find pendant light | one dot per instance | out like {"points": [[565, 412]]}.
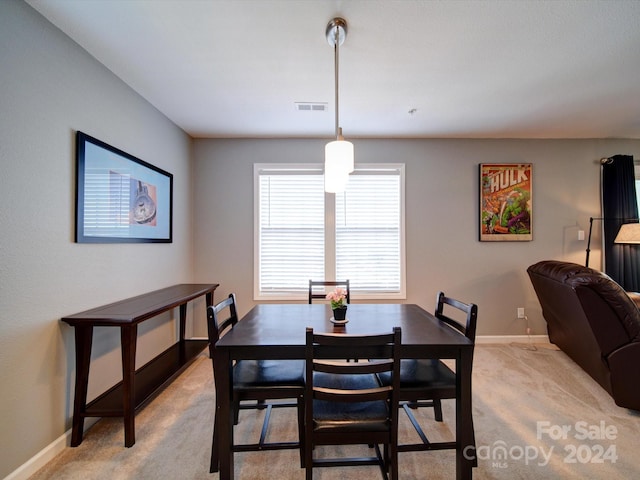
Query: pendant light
{"points": [[338, 155]]}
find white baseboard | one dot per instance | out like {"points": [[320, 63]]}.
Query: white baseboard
{"points": [[48, 453]]}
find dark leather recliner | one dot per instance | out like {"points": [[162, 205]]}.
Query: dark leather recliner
{"points": [[595, 322]]}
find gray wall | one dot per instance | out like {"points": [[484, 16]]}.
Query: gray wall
{"points": [[442, 193], [49, 89]]}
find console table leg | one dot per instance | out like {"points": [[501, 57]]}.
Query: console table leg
{"points": [[128, 339], [183, 321], [209, 299], [84, 337]]}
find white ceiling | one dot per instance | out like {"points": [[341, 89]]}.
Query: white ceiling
{"points": [[475, 69]]}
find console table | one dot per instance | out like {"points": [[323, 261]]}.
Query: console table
{"points": [[136, 387]]}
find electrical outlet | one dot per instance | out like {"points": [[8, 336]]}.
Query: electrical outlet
{"points": [[520, 312]]}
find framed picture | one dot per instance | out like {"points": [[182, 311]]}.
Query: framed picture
{"points": [[505, 202], [120, 198]]}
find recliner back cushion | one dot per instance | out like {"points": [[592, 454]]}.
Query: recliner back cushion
{"points": [[602, 301]]}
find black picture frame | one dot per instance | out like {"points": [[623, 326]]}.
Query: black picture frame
{"points": [[120, 198]]}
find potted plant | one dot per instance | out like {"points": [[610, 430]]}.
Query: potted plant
{"points": [[338, 299]]}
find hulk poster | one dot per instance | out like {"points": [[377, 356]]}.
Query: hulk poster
{"points": [[505, 202]]}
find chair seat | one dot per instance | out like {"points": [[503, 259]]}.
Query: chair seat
{"points": [[345, 417], [268, 373], [430, 373]]}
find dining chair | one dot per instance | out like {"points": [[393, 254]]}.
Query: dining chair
{"points": [[255, 380], [344, 402], [318, 291], [425, 382]]}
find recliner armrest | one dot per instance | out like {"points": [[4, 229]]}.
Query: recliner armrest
{"points": [[635, 296]]}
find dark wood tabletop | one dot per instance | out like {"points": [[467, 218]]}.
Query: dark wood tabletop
{"points": [[141, 307]]}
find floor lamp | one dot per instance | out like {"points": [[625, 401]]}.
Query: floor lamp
{"points": [[591, 219]]}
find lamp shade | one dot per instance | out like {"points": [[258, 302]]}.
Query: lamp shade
{"points": [[628, 233], [340, 154], [335, 175]]}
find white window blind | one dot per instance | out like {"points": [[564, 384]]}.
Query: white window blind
{"points": [[368, 232], [291, 230], [295, 239]]}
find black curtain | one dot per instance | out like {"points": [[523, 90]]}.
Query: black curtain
{"points": [[619, 205]]}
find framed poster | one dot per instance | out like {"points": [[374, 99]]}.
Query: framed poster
{"points": [[120, 198], [505, 202]]}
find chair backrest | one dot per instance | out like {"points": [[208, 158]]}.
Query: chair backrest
{"points": [[326, 353], [220, 318], [470, 310], [318, 291]]}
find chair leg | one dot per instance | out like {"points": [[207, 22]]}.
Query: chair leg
{"points": [[387, 462], [473, 440], [215, 456], [394, 462], [308, 472], [437, 409], [383, 459], [236, 411], [301, 439], [308, 455]]}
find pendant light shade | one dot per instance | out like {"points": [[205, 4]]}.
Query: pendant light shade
{"points": [[338, 155], [335, 177]]}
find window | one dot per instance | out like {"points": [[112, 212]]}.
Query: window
{"points": [[302, 233]]}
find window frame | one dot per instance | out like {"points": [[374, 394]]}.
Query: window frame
{"points": [[330, 231]]}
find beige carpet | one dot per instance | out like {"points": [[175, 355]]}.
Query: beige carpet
{"points": [[522, 399]]}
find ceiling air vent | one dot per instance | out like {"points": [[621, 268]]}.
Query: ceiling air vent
{"points": [[312, 106]]}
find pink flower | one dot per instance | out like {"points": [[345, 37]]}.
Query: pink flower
{"points": [[337, 297]]}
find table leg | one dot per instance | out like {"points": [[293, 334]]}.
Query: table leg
{"points": [[464, 416], [183, 321], [128, 339], [222, 367], [84, 337]]}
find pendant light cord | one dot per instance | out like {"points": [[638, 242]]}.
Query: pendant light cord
{"points": [[336, 56]]}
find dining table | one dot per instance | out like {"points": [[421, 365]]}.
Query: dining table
{"points": [[277, 331]]}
